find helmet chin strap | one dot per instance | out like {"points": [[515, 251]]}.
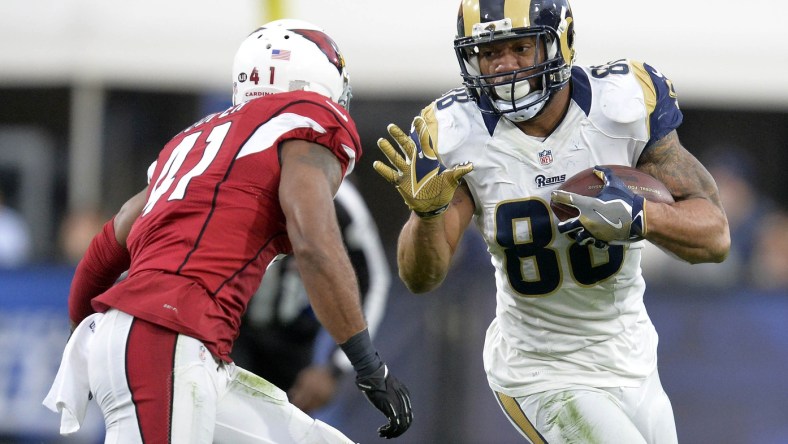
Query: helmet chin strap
{"points": [[523, 114], [521, 89], [509, 99]]}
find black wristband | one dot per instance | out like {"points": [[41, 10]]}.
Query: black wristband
{"points": [[361, 353], [433, 213]]}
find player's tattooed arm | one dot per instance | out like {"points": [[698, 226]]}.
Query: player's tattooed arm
{"points": [[686, 178], [695, 227]]}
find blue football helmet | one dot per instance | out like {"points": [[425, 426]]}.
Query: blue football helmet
{"points": [[550, 22]]}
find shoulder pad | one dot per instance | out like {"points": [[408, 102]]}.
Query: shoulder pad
{"points": [[632, 99]]}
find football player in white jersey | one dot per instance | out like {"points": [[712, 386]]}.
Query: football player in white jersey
{"points": [[571, 355]]}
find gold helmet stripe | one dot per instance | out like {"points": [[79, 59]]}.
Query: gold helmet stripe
{"points": [[470, 15], [567, 52], [519, 12], [492, 10]]}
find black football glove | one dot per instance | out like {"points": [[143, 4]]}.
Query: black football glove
{"points": [[616, 215], [389, 396]]}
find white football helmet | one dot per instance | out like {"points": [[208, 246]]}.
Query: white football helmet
{"points": [[289, 55]]}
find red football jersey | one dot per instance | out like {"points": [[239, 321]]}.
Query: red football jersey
{"points": [[212, 221]]}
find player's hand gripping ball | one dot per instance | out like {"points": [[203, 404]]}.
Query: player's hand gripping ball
{"points": [[606, 204]]}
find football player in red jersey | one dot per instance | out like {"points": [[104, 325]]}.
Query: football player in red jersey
{"points": [[225, 197]]}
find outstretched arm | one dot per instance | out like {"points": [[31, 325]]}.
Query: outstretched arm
{"points": [[426, 246], [104, 261], [442, 207], [310, 177], [695, 227], [316, 384], [127, 214]]}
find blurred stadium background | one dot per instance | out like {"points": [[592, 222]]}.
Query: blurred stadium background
{"points": [[90, 90]]}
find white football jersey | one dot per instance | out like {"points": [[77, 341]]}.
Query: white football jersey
{"points": [[566, 314]]}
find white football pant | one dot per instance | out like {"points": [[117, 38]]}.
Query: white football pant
{"points": [[631, 415], [157, 386]]}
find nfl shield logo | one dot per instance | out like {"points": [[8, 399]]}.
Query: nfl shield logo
{"points": [[546, 157]]}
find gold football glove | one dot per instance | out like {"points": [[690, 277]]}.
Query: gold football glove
{"points": [[424, 183]]}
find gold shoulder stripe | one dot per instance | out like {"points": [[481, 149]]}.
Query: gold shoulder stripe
{"points": [[649, 92]]}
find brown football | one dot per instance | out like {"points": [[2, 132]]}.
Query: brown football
{"points": [[588, 184]]}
